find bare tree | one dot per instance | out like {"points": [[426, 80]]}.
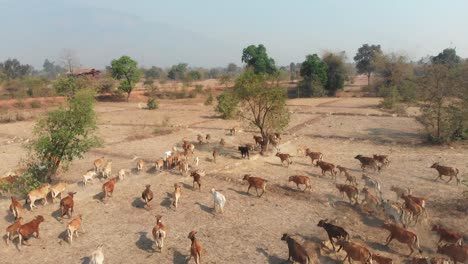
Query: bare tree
{"points": [[69, 60]]}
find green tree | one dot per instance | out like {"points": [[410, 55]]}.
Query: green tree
{"points": [[154, 73], [394, 69], [13, 69], [257, 58], [448, 57], [227, 104], [194, 75], [126, 70], [66, 134], [261, 106], [313, 68], [365, 59], [232, 69], [314, 72], [336, 72], [178, 71]]}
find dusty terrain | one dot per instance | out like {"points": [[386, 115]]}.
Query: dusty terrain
{"points": [[250, 229]]}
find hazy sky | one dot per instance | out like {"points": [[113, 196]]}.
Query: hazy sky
{"points": [[213, 33]]}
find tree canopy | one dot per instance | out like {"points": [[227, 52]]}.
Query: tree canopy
{"points": [[256, 57], [336, 71], [66, 133], [178, 71], [262, 106], [13, 69], [314, 69], [365, 59], [448, 57], [126, 70], [154, 73]]}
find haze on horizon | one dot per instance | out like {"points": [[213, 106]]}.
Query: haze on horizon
{"points": [[213, 33]]}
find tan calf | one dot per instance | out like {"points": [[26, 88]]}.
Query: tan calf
{"points": [[74, 226], [140, 165], [108, 188], [355, 251], [99, 164], [300, 179], [57, 189], [16, 208], [351, 191], [159, 233], [176, 194], [38, 194], [13, 229]]}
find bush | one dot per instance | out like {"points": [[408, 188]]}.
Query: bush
{"points": [[446, 124], [209, 100], [227, 104], [36, 104], [152, 103], [192, 94], [19, 104], [199, 89], [30, 180], [106, 85], [391, 97]]}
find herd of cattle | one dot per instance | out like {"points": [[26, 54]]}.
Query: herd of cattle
{"points": [[398, 216]]}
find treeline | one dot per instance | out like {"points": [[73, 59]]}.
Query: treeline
{"points": [[437, 84]]}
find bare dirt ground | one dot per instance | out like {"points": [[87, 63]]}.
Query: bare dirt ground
{"points": [[250, 229]]}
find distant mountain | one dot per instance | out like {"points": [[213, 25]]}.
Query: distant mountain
{"points": [[98, 35]]}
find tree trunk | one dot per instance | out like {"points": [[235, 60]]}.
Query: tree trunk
{"points": [[128, 96], [368, 78], [439, 110]]}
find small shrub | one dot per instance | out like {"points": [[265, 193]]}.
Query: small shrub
{"points": [[391, 96], [152, 103], [36, 104], [209, 100], [20, 104], [184, 92], [199, 89], [192, 94], [166, 121], [227, 104]]}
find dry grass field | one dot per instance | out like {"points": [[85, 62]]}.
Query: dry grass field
{"points": [[250, 229]]}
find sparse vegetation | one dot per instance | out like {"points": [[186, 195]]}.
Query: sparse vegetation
{"points": [[152, 104], [36, 104]]}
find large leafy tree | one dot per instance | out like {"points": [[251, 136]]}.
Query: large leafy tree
{"points": [[336, 71], [313, 68], [178, 71], [256, 57], [126, 70], [314, 73], [365, 59], [66, 133], [154, 73], [13, 69], [448, 57], [262, 106]]}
